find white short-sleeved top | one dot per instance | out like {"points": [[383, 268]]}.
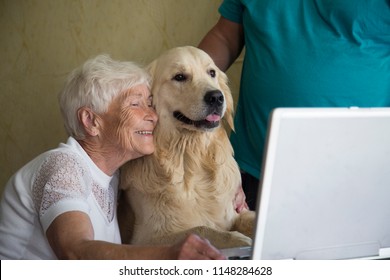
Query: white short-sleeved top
{"points": [[58, 181]]}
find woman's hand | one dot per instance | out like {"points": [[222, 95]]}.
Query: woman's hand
{"points": [[194, 247]]}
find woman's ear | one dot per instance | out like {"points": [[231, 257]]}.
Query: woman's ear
{"points": [[89, 121]]}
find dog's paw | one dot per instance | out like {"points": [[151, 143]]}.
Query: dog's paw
{"points": [[234, 239], [222, 239], [218, 238], [245, 223]]}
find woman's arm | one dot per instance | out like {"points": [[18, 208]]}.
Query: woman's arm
{"points": [[71, 237]]}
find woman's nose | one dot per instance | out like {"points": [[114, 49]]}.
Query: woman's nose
{"points": [[151, 115]]}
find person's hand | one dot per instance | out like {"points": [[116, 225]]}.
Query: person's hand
{"points": [[239, 202], [194, 247]]}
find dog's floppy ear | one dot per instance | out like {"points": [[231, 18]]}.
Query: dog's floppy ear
{"points": [[224, 84], [151, 68]]}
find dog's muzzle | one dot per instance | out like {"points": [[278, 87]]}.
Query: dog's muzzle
{"points": [[214, 101]]}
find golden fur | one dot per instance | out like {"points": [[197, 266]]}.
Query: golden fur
{"points": [[190, 181]]}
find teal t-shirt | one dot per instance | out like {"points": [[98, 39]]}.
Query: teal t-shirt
{"points": [[307, 53]]}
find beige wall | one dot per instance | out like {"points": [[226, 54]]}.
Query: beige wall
{"points": [[42, 40]]}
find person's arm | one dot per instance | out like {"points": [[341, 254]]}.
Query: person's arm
{"points": [[224, 42], [71, 237]]}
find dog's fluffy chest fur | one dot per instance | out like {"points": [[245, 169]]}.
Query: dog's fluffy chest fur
{"points": [[194, 175]]}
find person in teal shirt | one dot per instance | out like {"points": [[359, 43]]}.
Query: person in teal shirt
{"points": [[299, 53]]}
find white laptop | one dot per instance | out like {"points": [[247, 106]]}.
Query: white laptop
{"points": [[325, 186]]}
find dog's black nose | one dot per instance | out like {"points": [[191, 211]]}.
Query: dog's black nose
{"points": [[214, 97]]}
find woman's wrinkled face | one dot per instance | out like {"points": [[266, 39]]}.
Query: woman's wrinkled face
{"points": [[129, 123]]}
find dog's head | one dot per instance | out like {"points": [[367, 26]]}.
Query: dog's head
{"points": [[189, 91]]}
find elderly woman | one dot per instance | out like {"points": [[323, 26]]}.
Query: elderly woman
{"points": [[62, 204]]}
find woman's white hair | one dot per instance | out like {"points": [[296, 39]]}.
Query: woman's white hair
{"points": [[94, 85]]}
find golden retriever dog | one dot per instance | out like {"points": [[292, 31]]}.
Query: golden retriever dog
{"points": [[189, 183]]}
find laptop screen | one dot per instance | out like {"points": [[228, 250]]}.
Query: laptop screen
{"points": [[325, 187]]}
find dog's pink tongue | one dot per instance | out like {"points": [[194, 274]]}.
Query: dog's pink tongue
{"points": [[213, 118]]}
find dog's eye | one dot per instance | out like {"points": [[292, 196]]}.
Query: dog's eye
{"points": [[212, 73], [180, 77]]}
